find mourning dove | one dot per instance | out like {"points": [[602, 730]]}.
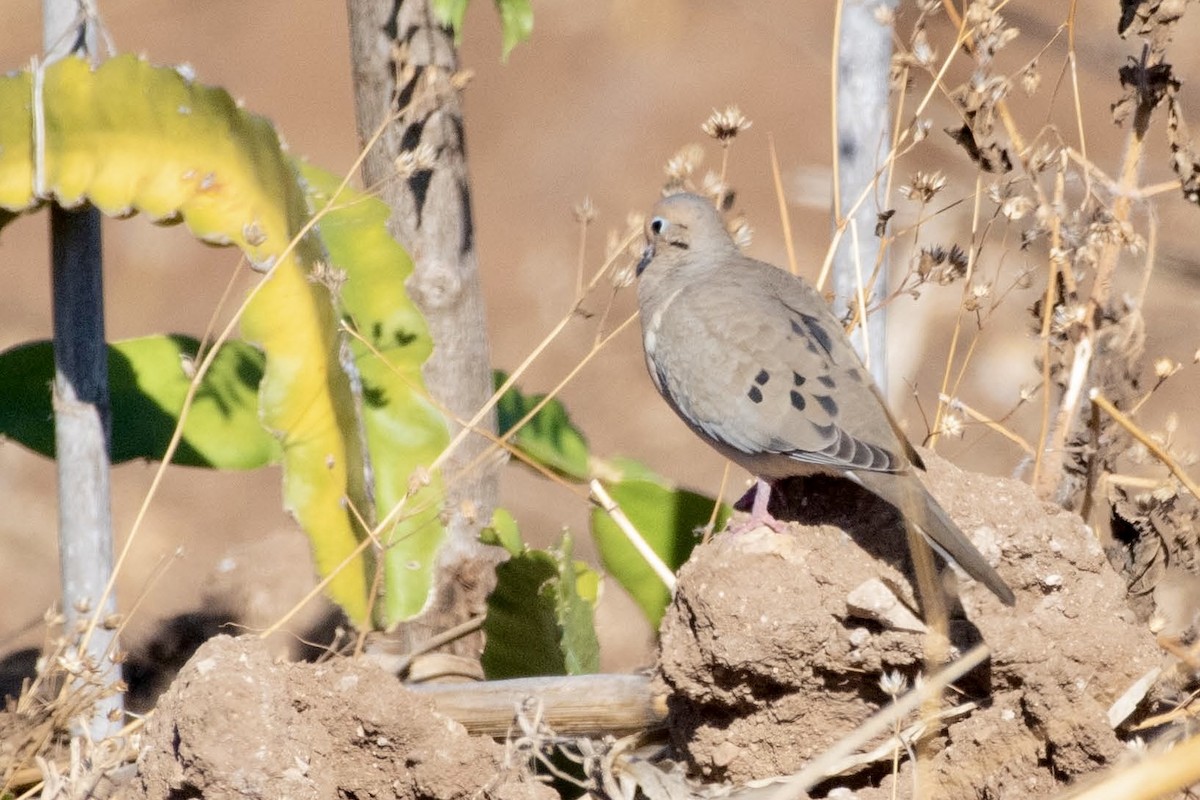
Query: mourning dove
{"points": [[752, 359]]}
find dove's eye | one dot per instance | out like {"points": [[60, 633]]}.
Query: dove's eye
{"points": [[657, 225]]}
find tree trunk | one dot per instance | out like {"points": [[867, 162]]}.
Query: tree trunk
{"points": [[864, 138], [404, 64], [82, 418]]}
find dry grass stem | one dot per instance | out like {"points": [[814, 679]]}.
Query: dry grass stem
{"points": [[1148, 441], [785, 219], [824, 765], [1158, 775], [955, 404], [605, 501]]}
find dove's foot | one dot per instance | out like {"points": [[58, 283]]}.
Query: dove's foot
{"points": [[759, 517]]}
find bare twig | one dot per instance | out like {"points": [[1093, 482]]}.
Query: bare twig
{"points": [[821, 767], [604, 499], [1101, 402]]}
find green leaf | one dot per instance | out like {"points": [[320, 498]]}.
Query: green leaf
{"points": [[403, 430], [128, 137], [540, 617], [451, 13], [503, 533], [516, 20], [549, 438], [148, 379], [667, 519], [621, 468], [516, 23]]}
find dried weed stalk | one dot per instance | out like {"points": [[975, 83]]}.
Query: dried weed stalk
{"points": [[42, 749], [1044, 211], [1046, 204]]}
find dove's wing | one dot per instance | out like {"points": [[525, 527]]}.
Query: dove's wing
{"points": [[780, 383]]}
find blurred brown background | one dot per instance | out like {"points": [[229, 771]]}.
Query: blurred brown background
{"points": [[593, 105]]}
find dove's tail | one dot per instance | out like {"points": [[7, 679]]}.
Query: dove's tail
{"points": [[946, 537], [919, 506]]}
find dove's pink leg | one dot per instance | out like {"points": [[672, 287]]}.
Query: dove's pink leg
{"points": [[759, 515]]}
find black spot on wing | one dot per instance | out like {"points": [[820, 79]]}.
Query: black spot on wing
{"points": [[762, 377], [827, 431], [797, 400], [826, 381], [827, 403], [797, 379], [817, 332], [755, 394]]}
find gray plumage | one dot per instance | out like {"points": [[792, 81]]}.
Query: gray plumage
{"points": [[751, 358]]}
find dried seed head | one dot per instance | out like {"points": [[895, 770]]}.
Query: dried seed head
{"points": [[923, 54], [1045, 156], [585, 211], [893, 683], [725, 125], [685, 162], [929, 258], [419, 479], [1168, 491], [254, 233], [712, 186], [1030, 78], [1015, 208], [936, 263], [923, 187], [419, 159], [1069, 318], [974, 299], [952, 426], [328, 276], [1165, 367], [957, 263]]}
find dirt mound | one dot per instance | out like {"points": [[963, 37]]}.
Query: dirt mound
{"points": [[237, 724], [773, 649], [770, 653]]}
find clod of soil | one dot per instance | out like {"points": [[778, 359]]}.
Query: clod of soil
{"points": [[237, 724], [767, 665]]}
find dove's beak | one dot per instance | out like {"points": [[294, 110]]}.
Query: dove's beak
{"points": [[647, 254]]}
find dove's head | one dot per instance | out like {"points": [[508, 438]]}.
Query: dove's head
{"points": [[684, 230]]}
